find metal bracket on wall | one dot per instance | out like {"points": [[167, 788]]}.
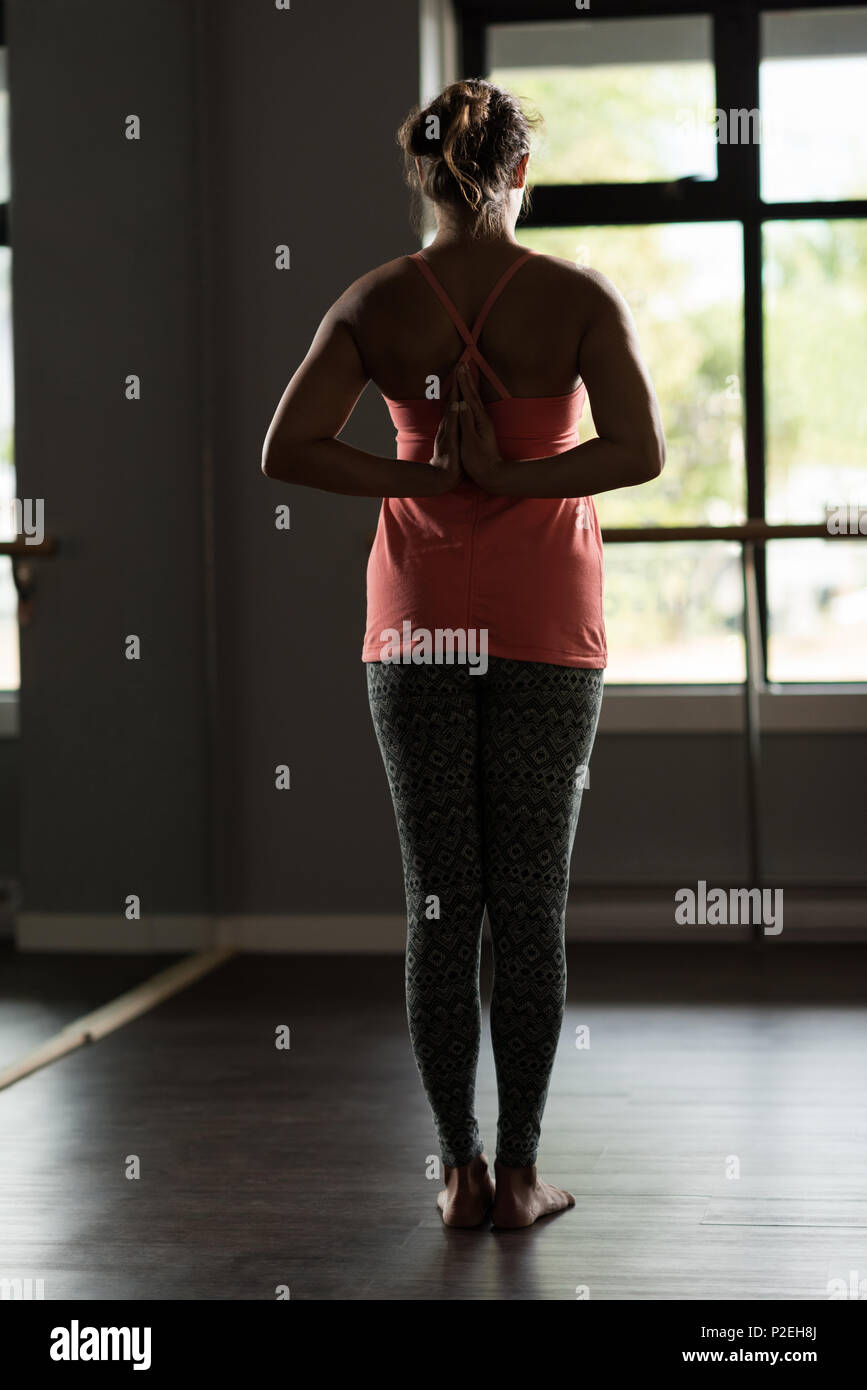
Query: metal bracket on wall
{"points": [[21, 552]]}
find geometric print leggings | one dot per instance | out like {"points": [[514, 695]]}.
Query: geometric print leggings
{"points": [[486, 773]]}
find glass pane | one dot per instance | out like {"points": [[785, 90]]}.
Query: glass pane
{"points": [[624, 100], [684, 285], [817, 610], [815, 306], [674, 613], [812, 80]]}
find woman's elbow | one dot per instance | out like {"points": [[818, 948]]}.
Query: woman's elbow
{"points": [[652, 460], [276, 462]]}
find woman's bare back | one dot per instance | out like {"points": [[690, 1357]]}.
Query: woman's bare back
{"points": [[530, 338]]}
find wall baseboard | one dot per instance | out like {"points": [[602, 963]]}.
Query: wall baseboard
{"points": [[810, 919], [159, 934]]}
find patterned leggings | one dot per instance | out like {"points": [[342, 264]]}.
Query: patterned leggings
{"points": [[486, 774]]}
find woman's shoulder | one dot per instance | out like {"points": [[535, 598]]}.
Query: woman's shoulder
{"points": [[572, 276], [380, 277], [565, 276], [376, 289]]}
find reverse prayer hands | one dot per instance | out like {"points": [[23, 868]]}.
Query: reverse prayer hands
{"points": [[479, 450], [446, 457]]}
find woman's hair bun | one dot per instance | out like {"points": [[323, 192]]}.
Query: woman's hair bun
{"points": [[474, 135]]}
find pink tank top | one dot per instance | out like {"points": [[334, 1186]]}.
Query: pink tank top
{"points": [[526, 571]]}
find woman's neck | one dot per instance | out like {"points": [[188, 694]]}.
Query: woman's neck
{"points": [[451, 238]]}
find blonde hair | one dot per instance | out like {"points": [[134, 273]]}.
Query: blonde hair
{"points": [[471, 139]]}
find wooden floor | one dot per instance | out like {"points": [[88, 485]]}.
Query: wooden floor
{"points": [[307, 1167]]}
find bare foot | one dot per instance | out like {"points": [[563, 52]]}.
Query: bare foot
{"points": [[521, 1197], [468, 1193]]}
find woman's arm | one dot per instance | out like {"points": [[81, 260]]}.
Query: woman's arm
{"points": [[630, 448], [301, 445]]}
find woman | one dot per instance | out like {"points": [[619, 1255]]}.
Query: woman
{"points": [[487, 534]]}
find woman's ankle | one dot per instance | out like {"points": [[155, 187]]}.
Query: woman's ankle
{"points": [[515, 1172]]}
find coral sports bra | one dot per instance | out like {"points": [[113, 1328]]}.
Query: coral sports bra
{"points": [[526, 572]]}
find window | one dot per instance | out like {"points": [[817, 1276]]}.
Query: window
{"points": [[740, 246]]}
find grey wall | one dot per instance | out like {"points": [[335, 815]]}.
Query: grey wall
{"points": [[10, 792], [666, 808], [158, 258], [113, 755], [303, 153]]}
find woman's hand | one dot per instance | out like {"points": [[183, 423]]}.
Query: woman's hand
{"points": [[446, 457], [480, 452]]}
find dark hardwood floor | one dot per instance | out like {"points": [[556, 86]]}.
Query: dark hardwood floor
{"points": [[307, 1167]]}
